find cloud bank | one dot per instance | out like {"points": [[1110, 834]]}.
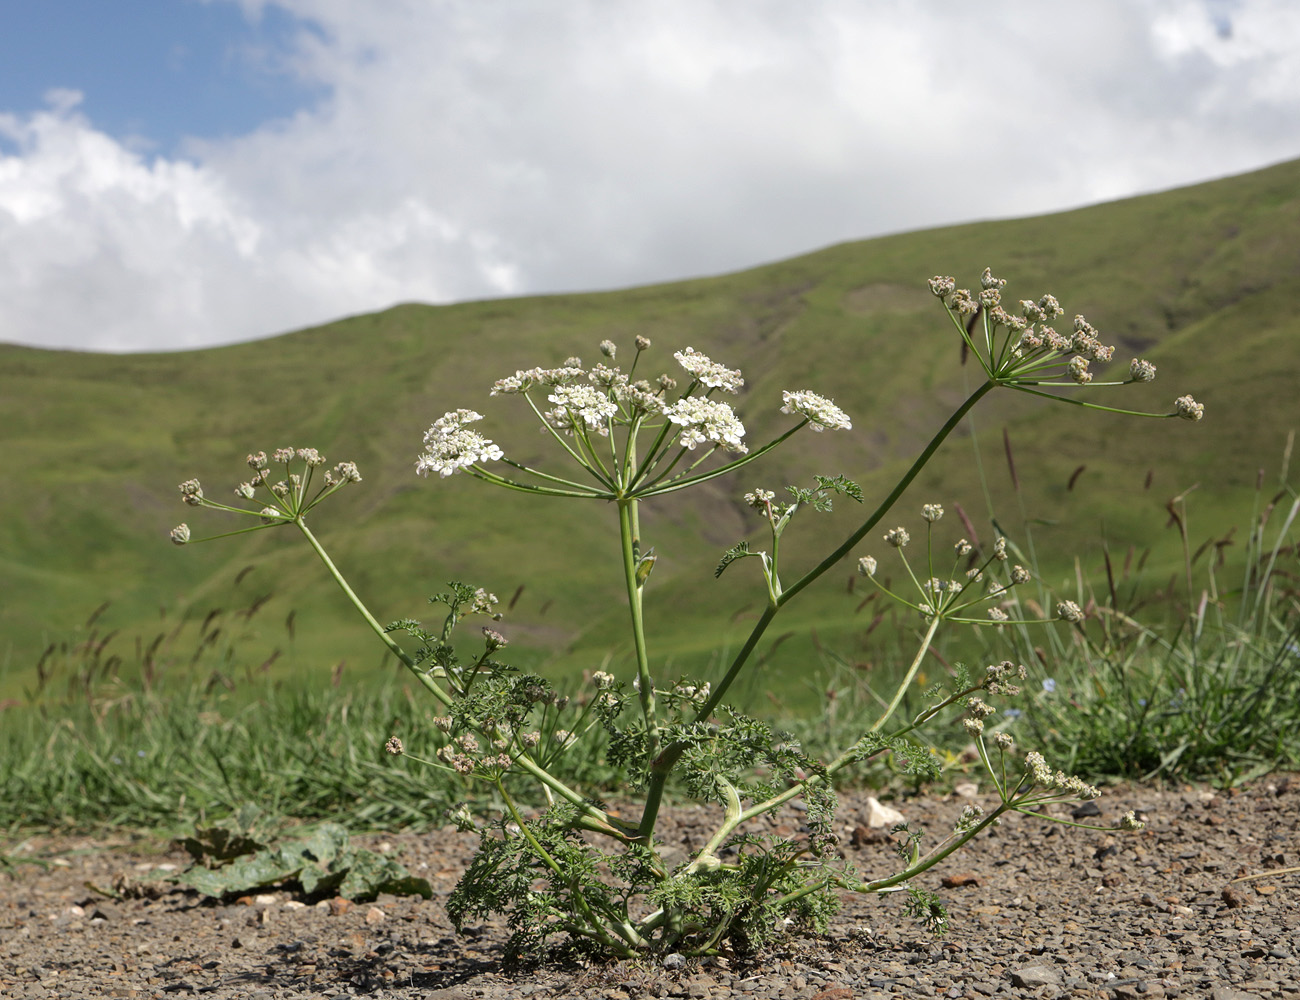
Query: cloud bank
{"points": [[467, 150]]}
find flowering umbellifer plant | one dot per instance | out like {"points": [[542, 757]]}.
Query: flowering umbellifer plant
{"points": [[626, 440]]}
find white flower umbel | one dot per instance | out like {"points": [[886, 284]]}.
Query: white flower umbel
{"points": [[449, 447], [709, 372], [819, 410], [582, 402], [703, 421]]}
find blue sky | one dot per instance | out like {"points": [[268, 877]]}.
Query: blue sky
{"points": [[157, 70], [180, 173]]}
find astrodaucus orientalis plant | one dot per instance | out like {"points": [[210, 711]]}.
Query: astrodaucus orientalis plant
{"points": [[626, 438]]}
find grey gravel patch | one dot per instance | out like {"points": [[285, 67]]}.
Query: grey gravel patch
{"points": [[1110, 915]]}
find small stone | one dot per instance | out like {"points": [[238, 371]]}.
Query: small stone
{"points": [[294, 904], [106, 911], [264, 899], [674, 961], [1033, 976], [1085, 810], [960, 880], [966, 789], [1235, 898], [863, 834], [881, 816], [339, 906], [375, 915]]}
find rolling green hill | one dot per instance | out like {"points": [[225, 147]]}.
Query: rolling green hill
{"points": [[1203, 281]]}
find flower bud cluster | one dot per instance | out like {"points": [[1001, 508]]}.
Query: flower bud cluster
{"points": [[461, 763], [1188, 408], [289, 494], [897, 537], [999, 678], [1045, 777], [1034, 350], [969, 819], [699, 695], [484, 603]]}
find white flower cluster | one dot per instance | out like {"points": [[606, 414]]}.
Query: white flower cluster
{"points": [[709, 372], [820, 411], [703, 421], [581, 402], [450, 447], [522, 381]]}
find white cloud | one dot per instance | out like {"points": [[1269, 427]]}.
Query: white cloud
{"points": [[469, 149]]}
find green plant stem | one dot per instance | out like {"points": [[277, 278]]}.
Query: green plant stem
{"points": [[844, 549], [629, 531], [681, 484], [736, 817], [595, 928], [911, 673], [591, 818], [436, 689], [662, 764], [909, 873]]}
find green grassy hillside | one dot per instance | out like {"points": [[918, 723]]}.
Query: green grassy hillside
{"points": [[1202, 281]]}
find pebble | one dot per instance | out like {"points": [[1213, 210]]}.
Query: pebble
{"points": [[879, 816], [1032, 976]]}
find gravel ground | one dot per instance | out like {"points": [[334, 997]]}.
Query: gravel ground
{"points": [[1038, 910]]}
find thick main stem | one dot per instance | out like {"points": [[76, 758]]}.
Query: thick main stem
{"points": [[844, 549], [663, 764], [629, 531]]}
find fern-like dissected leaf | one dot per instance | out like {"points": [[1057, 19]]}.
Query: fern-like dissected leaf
{"points": [[737, 551]]}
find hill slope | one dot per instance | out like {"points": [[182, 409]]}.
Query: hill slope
{"points": [[1201, 280]]}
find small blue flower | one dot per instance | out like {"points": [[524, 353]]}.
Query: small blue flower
{"points": [[1011, 713], [1049, 685]]}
